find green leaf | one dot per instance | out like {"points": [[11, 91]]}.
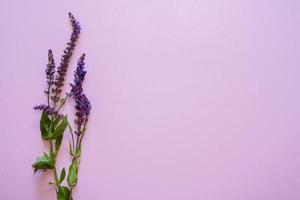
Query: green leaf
{"points": [[62, 175], [72, 175], [44, 126], [59, 130], [63, 193], [56, 121], [46, 155], [43, 163], [58, 142]]}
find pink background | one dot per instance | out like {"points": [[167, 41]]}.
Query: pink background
{"points": [[192, 99]]}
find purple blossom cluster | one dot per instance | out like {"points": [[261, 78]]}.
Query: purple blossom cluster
{"points": [[48, 110], [79, 75], [64, 63], [50, 71], [82, 104], [83, 107]]}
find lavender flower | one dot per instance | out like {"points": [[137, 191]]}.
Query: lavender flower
{"points": [[79, 75], [63, 67], [48, 110], [50, 71], [76, 28], [83, 105]]}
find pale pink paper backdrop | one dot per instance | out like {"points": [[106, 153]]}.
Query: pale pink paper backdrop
{"points": [[192, 99]]}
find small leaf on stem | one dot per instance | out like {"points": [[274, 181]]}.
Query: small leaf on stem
{"points": [[44, 126], [72, 175], [63, 193], [43, 163], [56, 121], [62, 175], [59, 130], [58, 143]]}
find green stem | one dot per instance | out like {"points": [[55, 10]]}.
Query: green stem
{"points": [[54, 169], [82, 134], [75, 148], [63, 101], [71, 191]]}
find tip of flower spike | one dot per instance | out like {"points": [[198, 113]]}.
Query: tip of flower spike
{"points": [[82, 57], [75, 25], [50, 54], [70, 15]]}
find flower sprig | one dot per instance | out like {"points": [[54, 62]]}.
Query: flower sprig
{"points": [[53, 123]]}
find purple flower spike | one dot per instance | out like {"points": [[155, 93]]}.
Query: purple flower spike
{"points": [[83, 107], [79, 75], [50, 71], [48, 110], [82, 104], [76, 27], [63, 67]]}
